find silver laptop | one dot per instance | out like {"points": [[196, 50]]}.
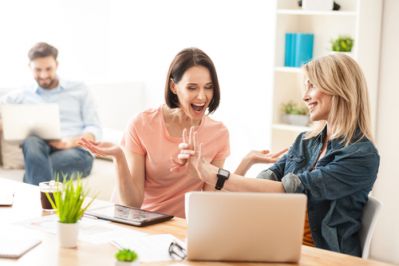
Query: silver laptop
{"points": [[235, 226], [23, 120]]}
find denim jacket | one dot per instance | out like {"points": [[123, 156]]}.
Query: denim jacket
{"points": [[337, 186]]}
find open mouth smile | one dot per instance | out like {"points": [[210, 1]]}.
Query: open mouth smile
{"points": [[198, 107]]}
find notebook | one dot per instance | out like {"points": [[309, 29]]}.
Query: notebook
{"points": [[23, 120], [6, 197], [235, 226], [15, 246]]}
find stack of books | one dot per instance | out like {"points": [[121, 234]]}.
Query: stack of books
{"points": [[298, 49]]}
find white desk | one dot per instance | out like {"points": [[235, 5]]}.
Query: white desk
{"points": [[27, 206]]}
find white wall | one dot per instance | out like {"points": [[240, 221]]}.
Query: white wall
{"points": [[385, 245], [134, 40]]}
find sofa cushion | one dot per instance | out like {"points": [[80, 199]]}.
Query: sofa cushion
{"points": [[11, 155]]}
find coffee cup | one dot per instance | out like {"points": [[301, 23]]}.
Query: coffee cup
{"points": [[49, 187]]}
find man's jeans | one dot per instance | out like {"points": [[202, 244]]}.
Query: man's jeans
{"points": [[43, 163]]}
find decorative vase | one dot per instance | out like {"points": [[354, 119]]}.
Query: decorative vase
{"points": [[67, 234], [298, 120], [345, 53], [127, 263]]}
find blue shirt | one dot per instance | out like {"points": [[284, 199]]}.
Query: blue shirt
{"points": [[337, 186], [78, 113]]}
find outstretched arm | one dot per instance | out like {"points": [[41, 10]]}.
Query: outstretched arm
{"points": [[190, 156], [129, 168], [254, 157]]}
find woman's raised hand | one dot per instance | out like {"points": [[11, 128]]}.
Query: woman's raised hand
{"points": [[101, 148], [190, 156]]}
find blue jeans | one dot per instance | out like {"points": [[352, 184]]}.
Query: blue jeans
{"points": [[43, 162]]}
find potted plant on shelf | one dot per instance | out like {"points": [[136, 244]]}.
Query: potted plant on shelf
{"points": [[126, 257], [295, 114], [342, 44], [69, 207]]}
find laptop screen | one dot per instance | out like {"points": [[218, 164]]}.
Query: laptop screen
{"points": [[23, 120]]}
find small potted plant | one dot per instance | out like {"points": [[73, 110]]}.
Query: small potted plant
{"points": [[295, 114], [126, 257], [342, 44], [69, 207]]}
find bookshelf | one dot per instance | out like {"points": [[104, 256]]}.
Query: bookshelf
{"points": [[360, 19]]}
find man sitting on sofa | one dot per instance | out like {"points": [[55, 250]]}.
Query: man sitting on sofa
{"points": [[78, 118]]}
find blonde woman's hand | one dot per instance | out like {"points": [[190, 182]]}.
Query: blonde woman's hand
{"points": [[264, 156], [254, 157]]}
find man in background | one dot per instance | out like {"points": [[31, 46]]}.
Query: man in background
{"points": [[78, 118]]}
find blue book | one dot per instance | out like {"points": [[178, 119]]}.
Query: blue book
{"points": [[303, 51], [288, 60]]}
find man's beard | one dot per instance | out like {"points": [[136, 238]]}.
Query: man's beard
{"points": [[47, 83]]}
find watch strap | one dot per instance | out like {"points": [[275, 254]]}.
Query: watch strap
{"points": [[222, 176]]}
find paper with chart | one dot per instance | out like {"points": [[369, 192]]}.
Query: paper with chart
{"points": [[94, 231], [150, 248]]}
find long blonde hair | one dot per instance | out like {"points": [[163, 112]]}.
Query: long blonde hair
{"points": [[340, 76]]}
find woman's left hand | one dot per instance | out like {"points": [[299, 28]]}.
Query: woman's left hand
{"points": [[190, 156]]}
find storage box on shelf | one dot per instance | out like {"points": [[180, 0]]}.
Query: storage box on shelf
{"points": [[360, 19]]}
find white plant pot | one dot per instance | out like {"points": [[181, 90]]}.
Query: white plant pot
{"points": [[67, 234], [298, 120], [125, 263], [345, 53]]}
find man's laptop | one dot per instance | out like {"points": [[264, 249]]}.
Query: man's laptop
{"points": [[23, 120], [235, 226]]}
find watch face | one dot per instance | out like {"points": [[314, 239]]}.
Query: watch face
{"points": [[223, 172]]}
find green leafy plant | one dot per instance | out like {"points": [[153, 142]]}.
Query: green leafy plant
{"points": [[68, 202], [342, 44], [293, 108], [126, 255]]}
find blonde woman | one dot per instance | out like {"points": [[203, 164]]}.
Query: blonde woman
{"points": [[335, 164]]}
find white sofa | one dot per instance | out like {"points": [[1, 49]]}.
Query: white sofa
{"points": [[117, 104]]}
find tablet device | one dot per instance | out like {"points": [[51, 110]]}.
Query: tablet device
{"points": [[128, 215]]}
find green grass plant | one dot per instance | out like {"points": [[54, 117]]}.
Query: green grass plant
{"points": [[126, 255], [68, 202]]}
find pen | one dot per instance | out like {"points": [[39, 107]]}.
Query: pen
{"points": [[116, 244]]}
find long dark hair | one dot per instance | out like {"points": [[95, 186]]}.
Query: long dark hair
{"points": [[184, 60]]}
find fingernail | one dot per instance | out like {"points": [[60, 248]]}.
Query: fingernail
{"points": [[183, 145]]}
